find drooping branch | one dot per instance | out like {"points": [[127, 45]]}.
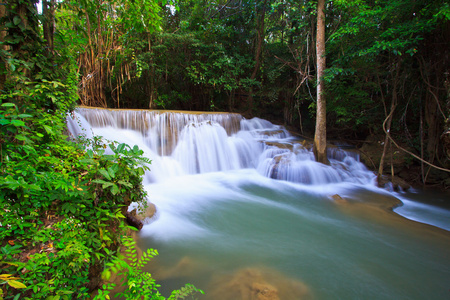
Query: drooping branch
{"points": [[406, 151]]}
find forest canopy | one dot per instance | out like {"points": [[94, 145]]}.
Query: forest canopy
{"points": [[386, 61]]}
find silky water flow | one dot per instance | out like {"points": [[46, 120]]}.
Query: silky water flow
{"points": [[244, 212]]}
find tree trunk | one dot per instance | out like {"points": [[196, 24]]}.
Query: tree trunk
{"points": [[48, 9], [258, 51], [3, 47], [320, 137], [388, 127]]}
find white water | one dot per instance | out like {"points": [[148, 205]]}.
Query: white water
{"points": [[234, 195], [181, 144]]}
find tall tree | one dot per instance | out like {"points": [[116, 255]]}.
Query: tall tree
{"points": [[48, 26], [320, 137], [260, 27]]}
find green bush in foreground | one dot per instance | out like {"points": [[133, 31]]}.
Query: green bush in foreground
{"points": [[63, 209]]}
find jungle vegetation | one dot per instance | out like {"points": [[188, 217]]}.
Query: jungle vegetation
{"points": [[386, 79], [386, 71]]}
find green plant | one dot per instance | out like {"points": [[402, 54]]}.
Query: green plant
{"points": [[138, 283]]}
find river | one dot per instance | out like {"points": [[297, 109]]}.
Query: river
{"points": [[244, 212]]}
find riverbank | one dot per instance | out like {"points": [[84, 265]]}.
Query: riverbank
{"points": [[406, 169]]}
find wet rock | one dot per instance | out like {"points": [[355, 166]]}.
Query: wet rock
{"points": [[138, 219], [184, 268], [132, 219], [257, 284], [264, 291], [148, 213], [397, 182], [338, 199]]}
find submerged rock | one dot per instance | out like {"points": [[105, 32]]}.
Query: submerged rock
{"points": [[257, 284], [338, 199]]}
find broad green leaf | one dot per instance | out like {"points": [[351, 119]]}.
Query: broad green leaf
{"points": [[90, 153], [115, 189], [87, 161], [21, 137], [24, 116], [8, 104], [48, 129], [17, 20], [111, 172], [121, 147], [127, 184], [17, 123], [105, 173], [107, 184]]}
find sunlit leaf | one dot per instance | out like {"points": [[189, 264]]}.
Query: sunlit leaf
{"points": [[17, 284]]}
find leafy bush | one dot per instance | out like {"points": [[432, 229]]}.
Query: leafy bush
{"points": [[64, 205], [138, 283]]}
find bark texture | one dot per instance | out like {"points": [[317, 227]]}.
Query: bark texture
{"points": [[320, 137]]}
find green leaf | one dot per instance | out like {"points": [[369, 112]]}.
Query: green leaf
{"points": [[105, 173], [127, 184], [21, 137], [24, 116], [107, 184], [87, 161], [17, 20], [4, 122], [8, 104], [17, 123], [48, 129], [121, 147], [111, 172], [115, 189]]}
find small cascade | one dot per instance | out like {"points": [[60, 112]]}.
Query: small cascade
{"points": [[160, 129], [181, 143]]}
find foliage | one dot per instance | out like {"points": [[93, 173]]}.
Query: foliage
{"points": [[138, 283], [63, 199], [86, 193]]}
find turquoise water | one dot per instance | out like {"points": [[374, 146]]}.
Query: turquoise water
{"points": [[244, 212], [211, 228]]}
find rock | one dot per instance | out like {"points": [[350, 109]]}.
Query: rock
{"points": [[148, 213], [264, 291], [397, 182], [132, 219], [257, 284], [338, 199]]}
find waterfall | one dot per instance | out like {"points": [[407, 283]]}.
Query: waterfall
{"points": [[180, 143], [238, 200]]}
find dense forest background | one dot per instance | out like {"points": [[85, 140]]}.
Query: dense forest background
{"points": [[258, 58], [386, 61]]}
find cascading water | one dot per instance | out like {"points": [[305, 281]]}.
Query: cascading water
{"points": [[244, 212]]}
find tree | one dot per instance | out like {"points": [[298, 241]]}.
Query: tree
{"points": [[260, 32], [320, 137]]}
